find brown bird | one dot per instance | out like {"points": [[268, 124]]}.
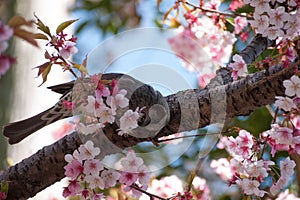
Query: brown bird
{"points": [[139, 94]]}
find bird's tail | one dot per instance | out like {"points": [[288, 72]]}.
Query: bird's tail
{"points": [[17, 131]]}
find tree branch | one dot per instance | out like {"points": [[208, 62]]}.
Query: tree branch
{"points": [[189, 110]]}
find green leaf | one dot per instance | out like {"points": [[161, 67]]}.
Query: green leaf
{"points": [[245, 9], [44, 70], [64, 25]]}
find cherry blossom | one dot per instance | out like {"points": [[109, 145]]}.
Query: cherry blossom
{"points": [[95, 181], [284, 103], [278, 16], [223, 168], [110, 177], [287, 167], [92, 166], [292, 86], [73, 169], [286, 195], [128, 178], [260, 22], [5, 32], [250, 187], [131, 162], [273, 32], [88, 151], [3, 46], [239, 67], [239, 24], [129, 121], [68, 49], [260, 6], [5, 63], [105, 114], [88, 128]]}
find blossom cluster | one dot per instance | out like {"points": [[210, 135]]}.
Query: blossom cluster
{"points": [[292, 91], [273, 19], [104, 106], [88, 176], [65, 46], [202, 44], [248, 169], [5, 61], [171, 187], [238, 67]]}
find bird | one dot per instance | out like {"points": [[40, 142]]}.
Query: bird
{"points": [[140, 95]]}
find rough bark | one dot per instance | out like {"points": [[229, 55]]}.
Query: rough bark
{"points": [[242, 97]]}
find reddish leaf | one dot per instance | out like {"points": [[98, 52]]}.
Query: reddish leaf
{"points": [[42, 26], [44, 70], [27, 36], [17, 21], [47, 55], [64, 25]]}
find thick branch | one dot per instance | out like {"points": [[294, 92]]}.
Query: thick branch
{"points": [[189, 110]]}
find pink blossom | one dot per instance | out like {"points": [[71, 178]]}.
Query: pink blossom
{"points": [[2, 196], [93, 167], [129, 121], [222, 168], [261, 6], [273, 32], [131, 162], [292, 26], [117, 100], [245, 139], [290, 54], [68, 49], [5, 63], [278, 16], [88, 151], [239, 24], [74, 187], [3, 46], [166, 187], [73, 169], [260, 22], [66, 192], [292, 86], [284, 103], [143, 175], [214, 4], [203, 79], [287, 167], [235, 4], [110, 177], [5, 32], [128, 178], [286, 195], [202, 188], [257, 168], [89, 128], [94, 181], [244, 36], [250, 187], [105, 114], [85, 193], [239, 67]]}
